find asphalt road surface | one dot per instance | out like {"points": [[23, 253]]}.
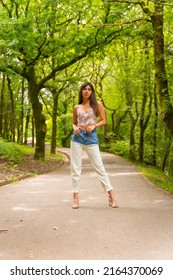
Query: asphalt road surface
{"points": [[37, 221]]}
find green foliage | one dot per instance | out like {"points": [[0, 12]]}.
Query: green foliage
{"points": [[157, 177], [65, 30], [14, 151], [120, 148]]}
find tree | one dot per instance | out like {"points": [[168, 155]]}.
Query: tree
{"points": [[145, 117], [154, 10], [28, 45], [160, 70]]}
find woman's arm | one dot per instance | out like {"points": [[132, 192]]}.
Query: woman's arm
{"points": [[102, 120], [74, 117], [102, 115], [75, 127]]}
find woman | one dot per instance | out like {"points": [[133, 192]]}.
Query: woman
{"points": [[85, 123]]}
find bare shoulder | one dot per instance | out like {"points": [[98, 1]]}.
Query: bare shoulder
{"points": [[76, 107], [100, 105]]}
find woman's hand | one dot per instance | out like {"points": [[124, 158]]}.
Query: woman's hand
{"points": [[90, 128], [77, 131]]}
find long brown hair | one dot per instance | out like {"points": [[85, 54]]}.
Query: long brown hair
{"points": [[93, 100]]}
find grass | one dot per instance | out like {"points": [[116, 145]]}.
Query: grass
{"points": [[16, 152], [157, 177]]}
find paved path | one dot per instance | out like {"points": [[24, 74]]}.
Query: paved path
{"points": [[41, 224]]}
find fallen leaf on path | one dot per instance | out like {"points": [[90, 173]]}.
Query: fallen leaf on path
{"points": [[55, 228]]}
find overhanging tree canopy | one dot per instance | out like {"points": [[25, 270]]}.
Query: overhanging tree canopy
{"points": [[32, 32]]}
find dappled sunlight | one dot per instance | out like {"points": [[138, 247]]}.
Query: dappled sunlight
{"points": [[23, 208], [38, 192], [123, 174], [158, 201]]}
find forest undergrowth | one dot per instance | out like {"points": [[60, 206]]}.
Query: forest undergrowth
{"points": [[17, 163]]}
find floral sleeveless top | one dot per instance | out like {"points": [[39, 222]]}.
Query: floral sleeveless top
{"points": [[86, 117]]}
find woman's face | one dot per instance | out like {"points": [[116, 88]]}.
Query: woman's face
{"points": [[86, 92]]}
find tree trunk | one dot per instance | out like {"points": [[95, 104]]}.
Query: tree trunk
{"points": [[133, 121], [160, 72], [155, 129], [118, 122], [33, 132], [132, 138], [22, 112], [144, 119], [2, 105], [12, 105], [167, 152], [54, 124], [39, 118], [27, 126]]}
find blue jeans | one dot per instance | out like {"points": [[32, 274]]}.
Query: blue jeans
{"points": [[86, 138]]}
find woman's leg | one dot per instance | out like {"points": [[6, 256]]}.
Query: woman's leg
{"points": [[76, 152], [94, 155], [96, 161]]}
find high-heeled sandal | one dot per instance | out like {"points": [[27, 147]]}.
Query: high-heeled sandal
{"points": [[75, 204], [112, 201]]}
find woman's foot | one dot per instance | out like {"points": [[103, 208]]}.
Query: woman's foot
{"points": [[112, 200], [75, 204]]}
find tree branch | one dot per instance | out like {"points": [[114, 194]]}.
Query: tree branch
{"points": [[88, 50], [8, 10]]}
